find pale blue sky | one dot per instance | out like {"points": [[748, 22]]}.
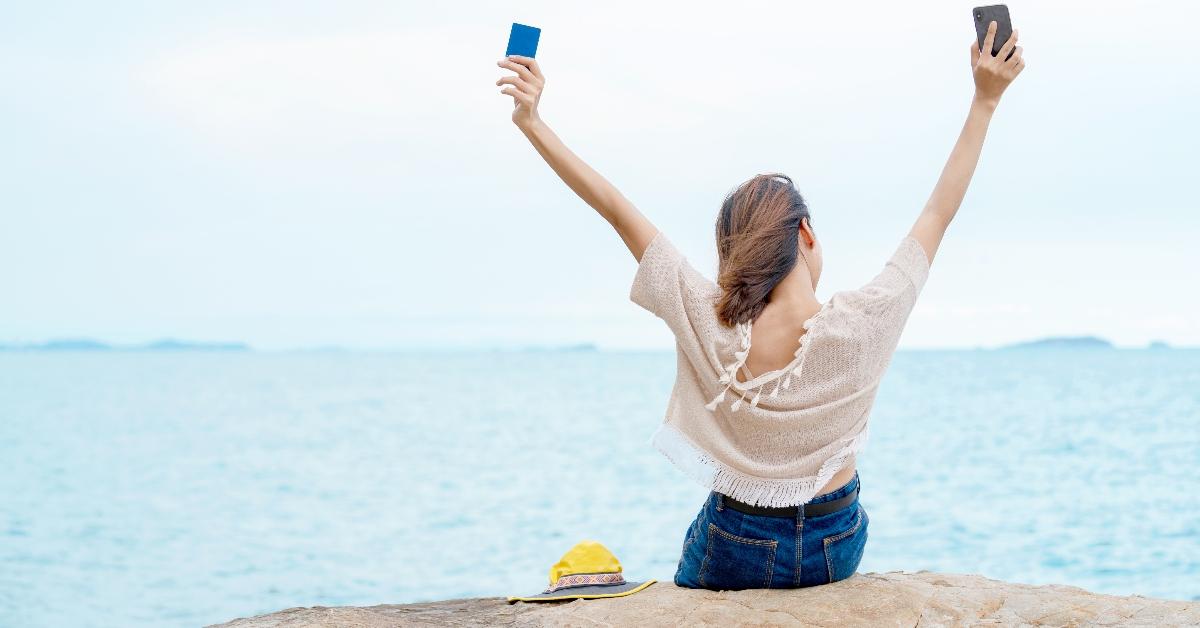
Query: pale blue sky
{"points": [[297, 174]]}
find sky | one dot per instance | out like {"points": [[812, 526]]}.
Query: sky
{"points": [[296, 174]]}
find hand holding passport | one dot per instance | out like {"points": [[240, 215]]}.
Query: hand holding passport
{"points": [[526, 86]]}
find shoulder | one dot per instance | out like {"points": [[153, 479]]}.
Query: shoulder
{"points": [[662, 260], [665, 275], [900, 280]]}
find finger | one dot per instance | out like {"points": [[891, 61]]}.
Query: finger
{"points": [[530, 63], [1018, 67], [1016, 56], [1008, 45], [974, 52], [990, 38], [535, 68], [517, 95], [518, 83], [518, 68]]}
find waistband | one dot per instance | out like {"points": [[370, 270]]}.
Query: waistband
{"points": [[820, 505]]}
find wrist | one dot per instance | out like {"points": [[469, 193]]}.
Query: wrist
{"points": [[531, 126], [985, 103]]}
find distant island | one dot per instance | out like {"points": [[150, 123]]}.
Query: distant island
{"points": [[1063, 342], [172, 345], [88, 344], [1158, 344]]}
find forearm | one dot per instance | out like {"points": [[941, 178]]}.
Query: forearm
{"points": [[526, 89], [593, 188], [960, 167]]}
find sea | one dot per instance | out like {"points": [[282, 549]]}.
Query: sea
{"points": [[185, 488]]}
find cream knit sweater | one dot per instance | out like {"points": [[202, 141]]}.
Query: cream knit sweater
{"points": [[778, 438]]}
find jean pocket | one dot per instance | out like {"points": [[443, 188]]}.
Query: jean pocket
{"points": [[844, 550], [736, 562]]}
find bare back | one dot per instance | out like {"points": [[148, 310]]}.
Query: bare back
{"points": [[776, 336]]}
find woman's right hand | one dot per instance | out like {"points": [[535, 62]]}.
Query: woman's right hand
{"points": [[992, 73], [525, 88]]}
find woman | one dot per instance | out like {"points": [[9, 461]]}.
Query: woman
{"points": [[772, 427]]}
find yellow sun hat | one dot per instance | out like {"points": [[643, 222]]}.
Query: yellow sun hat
{"points": [[587, 570]]}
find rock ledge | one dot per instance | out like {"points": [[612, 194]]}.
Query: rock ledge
{"points": [[895, 598]]}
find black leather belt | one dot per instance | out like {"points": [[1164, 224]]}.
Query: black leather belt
{"points": [[810, 510]]}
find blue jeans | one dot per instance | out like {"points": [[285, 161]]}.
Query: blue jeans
{"points": [[727, 549]]}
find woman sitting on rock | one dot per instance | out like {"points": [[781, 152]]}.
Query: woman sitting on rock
{"points": [[772, 427]]}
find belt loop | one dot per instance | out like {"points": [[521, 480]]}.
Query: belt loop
{"points": [[720, 501]]}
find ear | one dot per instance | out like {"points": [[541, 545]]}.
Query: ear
{"points": [[806, 232]]}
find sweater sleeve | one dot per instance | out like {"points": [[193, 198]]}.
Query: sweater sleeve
{"points": [[667, 286], [886, 302], [902, 276]]}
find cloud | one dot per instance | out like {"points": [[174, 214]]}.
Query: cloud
{"points": [[267, 89]]}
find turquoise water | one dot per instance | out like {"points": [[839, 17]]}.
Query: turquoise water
{"points": [[190, 488]]}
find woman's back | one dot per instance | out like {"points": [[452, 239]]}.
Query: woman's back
{"points": [[777, 329], [785, 434]]}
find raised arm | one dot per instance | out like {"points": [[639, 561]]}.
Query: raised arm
{"points": [[992, 75], [526, 89]]}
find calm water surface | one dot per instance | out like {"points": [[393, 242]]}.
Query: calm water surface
{"points": [[189, 488]]}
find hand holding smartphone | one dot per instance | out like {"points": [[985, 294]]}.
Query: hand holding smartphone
{"points": [[985, 16], [991, 73]]}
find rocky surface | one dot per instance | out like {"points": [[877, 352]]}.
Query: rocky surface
{"points": [[908, 599]]}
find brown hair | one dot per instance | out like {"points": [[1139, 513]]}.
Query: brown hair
{"points": [[756, 244]]}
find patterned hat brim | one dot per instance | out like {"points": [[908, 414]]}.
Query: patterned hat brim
{"points": [[586, 592]]}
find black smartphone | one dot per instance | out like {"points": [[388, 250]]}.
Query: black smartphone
{"points": [[986, 15]]}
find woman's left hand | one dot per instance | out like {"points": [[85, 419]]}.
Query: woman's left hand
{"points": [[994, 73], [526, 88]]}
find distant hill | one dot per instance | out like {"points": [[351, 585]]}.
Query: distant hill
{"points": [[88, 344], [170, 344], [1158, 344], [69, 344], [1063, 342]]}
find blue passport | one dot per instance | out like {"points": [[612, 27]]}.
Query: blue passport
{"points": [[523, 40]]}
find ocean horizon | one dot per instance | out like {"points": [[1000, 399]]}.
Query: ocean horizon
{"points": [[171, 344]]}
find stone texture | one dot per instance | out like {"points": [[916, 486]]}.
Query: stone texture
{"points": [[909, 599]]}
